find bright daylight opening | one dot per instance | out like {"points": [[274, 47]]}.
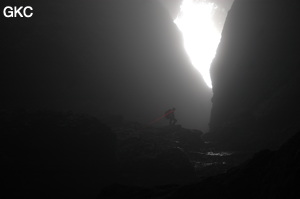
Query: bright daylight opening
{"points": [[201, 36]]}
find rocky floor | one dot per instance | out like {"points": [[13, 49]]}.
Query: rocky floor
{"points": [[151, 156]]}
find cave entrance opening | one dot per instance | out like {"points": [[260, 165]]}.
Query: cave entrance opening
{"points": [[201, 23]]}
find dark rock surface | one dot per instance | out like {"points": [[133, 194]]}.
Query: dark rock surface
{"points": [[49, 154], [155, 161], [268, 174], [256, 76], [150, 156], [66, 155]]}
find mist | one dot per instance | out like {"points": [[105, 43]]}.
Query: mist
{"points": [[124, 58], [106, 99]]}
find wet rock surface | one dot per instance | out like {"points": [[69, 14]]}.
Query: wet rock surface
{"points": [[169, 154], [268, 174], [155, 156], [74, 156], [164, 158]]}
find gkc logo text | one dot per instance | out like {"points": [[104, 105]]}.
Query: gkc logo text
{"points": [[16, 11]]}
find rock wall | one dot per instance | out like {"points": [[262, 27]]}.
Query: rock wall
{"points": [[256, 74]]}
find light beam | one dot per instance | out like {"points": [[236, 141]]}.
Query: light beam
{"points": [[201, 37]]}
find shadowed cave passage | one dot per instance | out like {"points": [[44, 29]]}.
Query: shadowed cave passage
{"points": [[255, 79], [99, 58], [93, 60]]}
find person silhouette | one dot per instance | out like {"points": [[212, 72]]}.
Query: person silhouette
{"points": [[170, 115]]}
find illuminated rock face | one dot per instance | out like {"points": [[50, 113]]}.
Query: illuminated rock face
{"points": [[256, 76]]}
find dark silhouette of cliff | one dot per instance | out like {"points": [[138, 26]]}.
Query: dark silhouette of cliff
{"points": [[255, 76]]}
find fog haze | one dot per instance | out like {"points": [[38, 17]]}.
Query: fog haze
{"points": [[111, 56]]}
